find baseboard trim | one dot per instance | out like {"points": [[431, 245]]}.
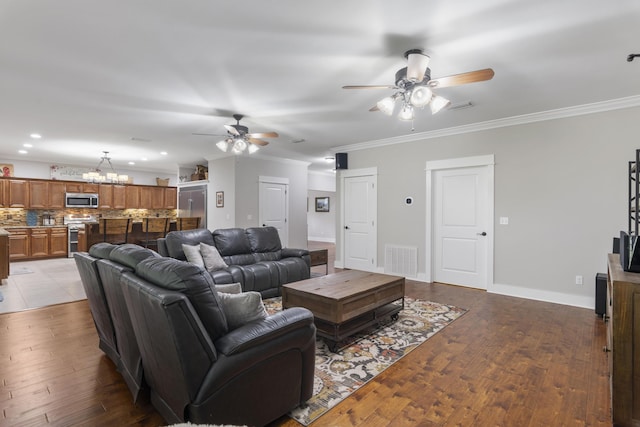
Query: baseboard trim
{"points": [[322, 239], [546, 296]]}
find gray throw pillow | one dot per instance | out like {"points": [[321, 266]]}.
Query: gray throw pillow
{"points": [[229, 288], [193, 254], [211, 257], [242, 308]]}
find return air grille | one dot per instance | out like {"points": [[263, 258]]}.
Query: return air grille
{"points": [[401, 260]]}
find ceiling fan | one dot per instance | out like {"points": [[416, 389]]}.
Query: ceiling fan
{"points": [[238, 138], [414, 86]]}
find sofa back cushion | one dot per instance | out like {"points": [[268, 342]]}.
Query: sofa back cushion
{"points": [[264, 239], [102, 250], [231, 241], [192, 281], [175, 239], [130, 255]]}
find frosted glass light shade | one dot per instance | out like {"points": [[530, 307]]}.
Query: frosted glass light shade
{"points": [[386, 105], [406, 113], [438, 103], [420, 96]]}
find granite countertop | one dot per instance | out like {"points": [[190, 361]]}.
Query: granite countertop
{"points": [[9, 227]]}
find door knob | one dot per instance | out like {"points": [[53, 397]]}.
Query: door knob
{"points": [[346, 227], [484, 233]]}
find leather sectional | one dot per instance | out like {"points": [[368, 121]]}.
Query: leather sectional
{"points": [[255, 257], [162, 322]]}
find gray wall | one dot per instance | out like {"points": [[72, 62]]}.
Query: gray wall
{"points": [[562, 183], [247, 174]]}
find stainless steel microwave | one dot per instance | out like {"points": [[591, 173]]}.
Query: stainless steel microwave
{"points": [[81, 200]]}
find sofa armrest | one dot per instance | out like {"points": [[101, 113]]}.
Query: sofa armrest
{"points": [[291, 252], [162, 247], [259, 332]]}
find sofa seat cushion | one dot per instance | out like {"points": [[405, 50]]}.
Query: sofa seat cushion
{"points": [[192, 281], [292, 270], [260, 276], [242, 308]]}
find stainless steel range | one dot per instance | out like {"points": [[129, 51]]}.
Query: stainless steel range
{"points": [[75, 222]]}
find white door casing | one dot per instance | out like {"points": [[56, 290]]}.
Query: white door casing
{"points": [[274, 205], [460, 221], [359, 219]]}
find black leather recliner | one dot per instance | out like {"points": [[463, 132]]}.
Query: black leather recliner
{"points": [[94, 289], [198, 370], [255, 257]]}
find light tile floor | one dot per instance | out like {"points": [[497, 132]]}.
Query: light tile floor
{"points": [[51, 281]]}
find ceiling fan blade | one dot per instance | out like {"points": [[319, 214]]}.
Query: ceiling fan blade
{"points": [[374, 108], [462, 79], [258, 142], [207, 134], [232, 130], [263, 135], [371, 87]]}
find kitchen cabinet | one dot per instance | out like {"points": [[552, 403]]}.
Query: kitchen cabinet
{"points": [[105, 196], [170, 198], [58, 242], [37, 242], [4, 254], [18, 193], [19, 243], [132, 197], [46, 195], [119, 197], [56, 194], [82, 187], [4, 193], [151, 197]]}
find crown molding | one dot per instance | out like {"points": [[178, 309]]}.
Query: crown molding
{"points": [[579, 110]]}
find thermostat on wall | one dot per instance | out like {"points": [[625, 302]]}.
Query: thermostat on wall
{"points": [[408, 200]]}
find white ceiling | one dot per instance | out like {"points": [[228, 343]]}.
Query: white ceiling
{"points": [[90, 75]]}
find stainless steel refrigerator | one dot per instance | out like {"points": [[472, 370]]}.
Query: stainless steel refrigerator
{"points": [[192, 202]]}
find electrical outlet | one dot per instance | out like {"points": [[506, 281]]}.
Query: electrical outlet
{"points": [[578, 280]]}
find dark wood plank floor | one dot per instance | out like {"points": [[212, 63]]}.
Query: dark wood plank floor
{"points": [[507, 362]]}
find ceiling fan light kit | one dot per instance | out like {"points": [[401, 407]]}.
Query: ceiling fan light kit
{"points": [[240, 140], [414, 86]]}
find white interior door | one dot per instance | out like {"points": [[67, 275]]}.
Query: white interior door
{"points": [[274, 209], [360, 236], [460, 226]]}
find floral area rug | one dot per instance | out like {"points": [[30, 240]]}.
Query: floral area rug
{"points": [[368, 353]]}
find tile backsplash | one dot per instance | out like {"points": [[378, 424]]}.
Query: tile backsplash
{"points": [[18, 216]]}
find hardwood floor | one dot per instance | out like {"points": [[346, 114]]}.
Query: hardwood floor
{"points": [[507, 362]]}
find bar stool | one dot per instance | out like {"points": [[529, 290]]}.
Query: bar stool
{"points": [[188, 223], [112, 230], [152, 225]]}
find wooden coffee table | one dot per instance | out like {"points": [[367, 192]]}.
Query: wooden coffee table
{"points": [[346, 302]]}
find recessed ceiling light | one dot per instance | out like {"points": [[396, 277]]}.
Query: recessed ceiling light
{"points": [[27, 145], [144, 159], [132, 163], [23, 151], [35, 136], [164, 153]]}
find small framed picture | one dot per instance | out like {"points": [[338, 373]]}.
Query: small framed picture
{"points": [[219, 199], [322, 204]]}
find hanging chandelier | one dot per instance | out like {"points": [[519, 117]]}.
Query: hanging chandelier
{"points": [[96, 175]]}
